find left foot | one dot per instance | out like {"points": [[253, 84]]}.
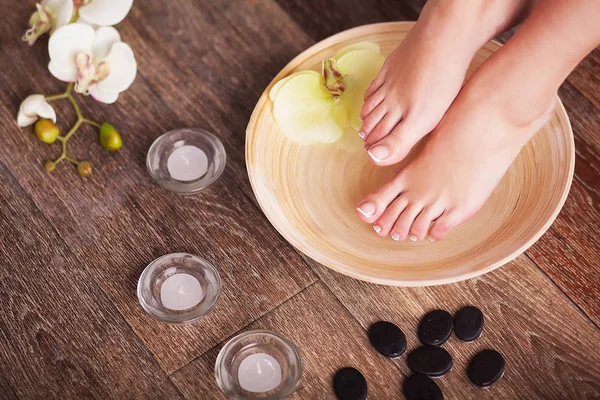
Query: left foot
{"points": [[461, 163]]}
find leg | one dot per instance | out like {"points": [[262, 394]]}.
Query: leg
{"points": [[501, 107], [421, 78]]}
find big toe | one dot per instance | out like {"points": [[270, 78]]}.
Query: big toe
{"points": [[395, 146], [374, 204]]}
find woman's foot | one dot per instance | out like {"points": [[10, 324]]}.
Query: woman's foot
{"points": [[421, 78], [462, 161]]}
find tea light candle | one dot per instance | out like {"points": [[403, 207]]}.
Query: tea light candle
{"points": [[259, 373], [187, 163], [181, 292]]}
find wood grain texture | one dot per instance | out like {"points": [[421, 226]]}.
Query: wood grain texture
{"points": [[328, 338], [60, 337], [568, 253], [118, 221], [549, 346], [69, 248]]}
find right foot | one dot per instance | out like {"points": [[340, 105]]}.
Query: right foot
{"points": [[421, 78]]}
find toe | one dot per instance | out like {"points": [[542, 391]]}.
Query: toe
{"points": [[444, 224], [384, 224], [373, 205], [371, 103], [395, 146], [372, 120], [421, 225], [405, 221], [384, 127], [375, 85]]}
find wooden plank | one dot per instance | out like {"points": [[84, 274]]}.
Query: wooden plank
{"points": [[549, 346], [328, 338], [586, 77], [321, 20], [118, 221], [568, 252], [60, 337]]}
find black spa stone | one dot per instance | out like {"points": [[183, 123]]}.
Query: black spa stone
{"points": [[486, 368], [350, 384], [468, 323], [421, 387], [435, 327], [387, 339], [429, 360]]}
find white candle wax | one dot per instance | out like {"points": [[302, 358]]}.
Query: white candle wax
{"points": [[259, 373], [187, 163], [180, 292]]}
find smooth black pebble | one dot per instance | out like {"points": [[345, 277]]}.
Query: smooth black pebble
{"points": [[350, 384], [421, 387], [387, 339], [486, 368], [435, 327], [429, 360], [468, 323]]}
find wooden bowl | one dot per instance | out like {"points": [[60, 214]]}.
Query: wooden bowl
{"points": [[309, 193]]}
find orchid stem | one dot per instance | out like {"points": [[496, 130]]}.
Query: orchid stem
{"points": [[93, 123], [59, 96], [68, 94]]}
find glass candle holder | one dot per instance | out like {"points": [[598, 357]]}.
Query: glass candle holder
{"points": [[179, 288], [258, 365], [186, 160]]}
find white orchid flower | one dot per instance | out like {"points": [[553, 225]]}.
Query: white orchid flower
{"points": [[34, 107], [102, 12], [49, 16], [97, 61], [54, 14]]}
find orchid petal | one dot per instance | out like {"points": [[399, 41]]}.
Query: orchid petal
{"points": [[64, 45], [105, 37], [105, 12], [23, 120], [63, 11], [32, 108], [102, 96], [123, 69], [61, 73], [85, 21]]}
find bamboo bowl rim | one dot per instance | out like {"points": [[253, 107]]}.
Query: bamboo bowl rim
{"points": [[281, 222]]}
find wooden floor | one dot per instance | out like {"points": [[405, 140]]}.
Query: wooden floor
{"points": [[71, 250]]}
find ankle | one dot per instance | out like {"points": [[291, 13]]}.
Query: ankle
{"points": [[473, 21]]}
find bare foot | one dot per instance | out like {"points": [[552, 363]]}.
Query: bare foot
{"points": [[422, 77], [461, 163]]}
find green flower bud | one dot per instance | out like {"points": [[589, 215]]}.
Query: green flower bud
{"points": [[46, 131], [110, 138], [84, 168], [50, 166]]}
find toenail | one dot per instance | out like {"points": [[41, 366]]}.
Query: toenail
{"points": [[395, 236], [367, 209], [379, 153], [431, 239], [413, 238], [377, 228], [362, 134]]}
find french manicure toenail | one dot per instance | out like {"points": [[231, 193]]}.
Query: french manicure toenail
{"points": [[395, 236], [379, 153], [413, 238], [377, 228], [367, 209], [431, 239], [362, 134]]}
